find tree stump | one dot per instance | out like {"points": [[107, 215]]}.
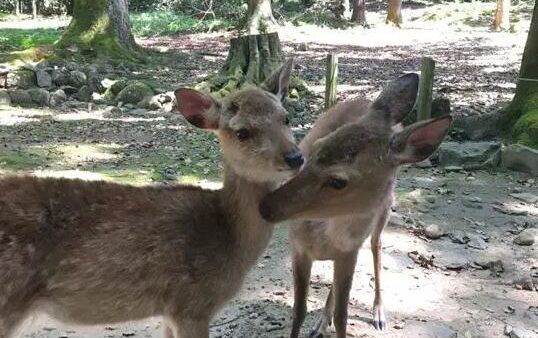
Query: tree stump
{"points": [[251, 59]]}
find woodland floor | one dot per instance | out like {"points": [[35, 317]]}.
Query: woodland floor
{"points": [[453, 297]]}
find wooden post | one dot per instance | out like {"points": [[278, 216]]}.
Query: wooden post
{"points": [[331, 80], [425, 88]]}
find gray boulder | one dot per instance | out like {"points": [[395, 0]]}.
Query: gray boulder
{"points": [[43, 78], [40, 96], [480, 127], [84, 94], [21, 79], [61, 77], [520, 158], [57, 98], [20, 97], [134, 93], [5, 99], [470, 155], [78, 79]]}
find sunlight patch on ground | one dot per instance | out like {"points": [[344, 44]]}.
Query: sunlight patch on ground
{"points": [[72, 174], [81, 153], [16, 115]]}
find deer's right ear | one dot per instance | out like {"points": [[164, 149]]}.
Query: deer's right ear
{"points": [[279, 82], [200, 109], [418, 141], [398, 98]]}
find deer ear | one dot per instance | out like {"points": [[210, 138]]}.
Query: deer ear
{"points": [[200, 109], [397, 98], [418, 141], [279, 82]]}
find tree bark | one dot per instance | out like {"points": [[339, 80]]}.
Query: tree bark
{"points": [[502, 16], [34, 9], [260, 17], [524, 107], [358, 15], [17, 7], [100, 27], [394, 12]]}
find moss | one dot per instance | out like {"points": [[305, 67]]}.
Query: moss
{"points": [[134, 92], [525, 130]]}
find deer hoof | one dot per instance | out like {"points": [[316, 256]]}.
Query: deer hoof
{"points": [[320, 328], [380, 322]]}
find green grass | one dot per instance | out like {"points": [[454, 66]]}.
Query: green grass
{"points": [[169, 23], [17, 39]]}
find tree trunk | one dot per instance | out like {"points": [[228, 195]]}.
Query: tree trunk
{"points": [[358, 8], [524, 107], [502, 16], [260, 17], [17, 7], [34, 9], [394, 12], [100, 27], [251, 59]]}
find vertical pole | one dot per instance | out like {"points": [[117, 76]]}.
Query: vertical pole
{"points": [[425, 89], [331, 79]]}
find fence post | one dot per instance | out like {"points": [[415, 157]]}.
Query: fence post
{"points": [[425, 89], [331, 79]]}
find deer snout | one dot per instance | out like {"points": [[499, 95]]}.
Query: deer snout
{"points": [[294, 159]]}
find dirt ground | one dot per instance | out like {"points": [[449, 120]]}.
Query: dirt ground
{"points": [[432, 288]]}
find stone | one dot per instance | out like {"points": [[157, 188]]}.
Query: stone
{"points": [[433, 231], [134, 93], [151, 103], [477, 243], [57, 98], [470, 155], [138, 112], [61, 77], [69, 90], [479, 127], [459, 237], [94, 81], [526, 197], [40, 96], [427, 163], [526, 237], [78, 79], [21, 79], [303, 47], [520, 158], [112, 112], [395, 219], [5, 99], [440, 107], [43, 78], [85, 94], [515, 332], [20, 97]]}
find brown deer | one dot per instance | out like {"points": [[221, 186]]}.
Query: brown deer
{"points": [[345, 191], [98, 252]]}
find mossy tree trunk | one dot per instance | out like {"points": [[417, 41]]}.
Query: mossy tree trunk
{"points": [[251, 59], [524, 107], [394, 12], [260, 17], [100, 27], [358, 14], [502, 16]]}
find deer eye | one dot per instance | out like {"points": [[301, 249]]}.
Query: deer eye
{"points": [[242, 134], [337, 183]]}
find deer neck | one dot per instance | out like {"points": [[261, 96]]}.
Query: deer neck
{"points": [[240, 200]]}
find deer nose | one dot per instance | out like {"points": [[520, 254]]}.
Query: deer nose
{"points": [[294, 159]]}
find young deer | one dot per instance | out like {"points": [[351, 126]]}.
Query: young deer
{"points": [[344, 193], [98, 252]]}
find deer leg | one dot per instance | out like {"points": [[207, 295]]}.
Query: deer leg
{"points": [[380, 322], [168, 332], [301, 277], [190, 328], [344, 267], [320, 328], [9, 321]]}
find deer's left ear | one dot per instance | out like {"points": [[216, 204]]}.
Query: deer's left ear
{"points": [[418, 141], [397, 98], [279, 82]]}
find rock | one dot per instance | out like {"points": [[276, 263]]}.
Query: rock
{"points": [[470, 155], [151, 103], [396, 219], [479, 127], [303, 47], [526, 237], [526, 197], [20, 97], [40, 96], [134, 93], [5, 99], [21, 79], [427, 163], [433, 231], [43, 78], [61, 77], [78, 79], [477, 243], [57, 98], [84, 94], [471, 202], [94, 81], [526, 284], [509, 210], [112, 112], [514, 332], [138, 112], [69, 90], [440, 107], [520, 158], [459, 237]]}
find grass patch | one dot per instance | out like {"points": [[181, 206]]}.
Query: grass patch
{"points": [[29, 159], [17, 39], [169, 23]]}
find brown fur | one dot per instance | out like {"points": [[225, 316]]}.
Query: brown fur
{"points": [[98, 252], [356, 142]]}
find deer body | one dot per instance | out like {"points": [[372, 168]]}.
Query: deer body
{"points": [[98, 252], [344, 193]]}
